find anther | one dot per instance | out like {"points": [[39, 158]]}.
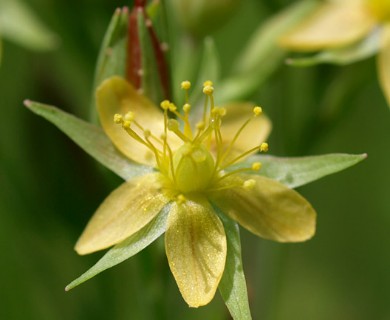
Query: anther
{"points": [[129, 116], [200, 125], [187, 107], [118, 118], [249, 184], [185, 85], [172, 107], [173, 125], [126, 124], [165, 104], [208, 90], [264, 147], [257, 111], [207, 83], [256, 166], [181, 199]]}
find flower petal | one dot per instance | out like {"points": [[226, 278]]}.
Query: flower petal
{"points": [[125, 211], [116, 95], [384, 63], [195, 243], [334, 24], [269, 210]]}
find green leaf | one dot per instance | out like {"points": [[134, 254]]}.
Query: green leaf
{"points": [[342, 56], [112, 55], [19, 24], [127, 248], [233, 286], [296, 172], [90, 138], [262, 55]]}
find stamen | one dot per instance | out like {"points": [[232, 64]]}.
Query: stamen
{"points": [[249, 184], [118, 118], [257, 111], [256, 166], [264, 147], [173, 125], [181, 199], [186, 85]]}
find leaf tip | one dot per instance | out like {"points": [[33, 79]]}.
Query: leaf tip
{"points": [[27, 103]]}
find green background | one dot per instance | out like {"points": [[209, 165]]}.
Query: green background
{"points": [[50, 188]]}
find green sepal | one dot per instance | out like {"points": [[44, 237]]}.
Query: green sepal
{"points": [[18, 23], [112, 55], [296, 172], [127, 248], [366, 48], [90, 138], [150, 80], [262, 55], [209, 69], [232, 286]]}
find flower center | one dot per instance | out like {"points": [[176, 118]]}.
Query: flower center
{"points": [[199, 163], [380, 9]]}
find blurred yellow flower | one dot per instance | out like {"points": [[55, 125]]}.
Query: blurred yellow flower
{"points": [[192, 176], [342, 23]]}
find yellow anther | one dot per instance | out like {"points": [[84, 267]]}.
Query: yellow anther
{"points": [[264, 147], [172, 107], [187, 107], [129, 116], [222, 111], [118, 118], [126, 124], [256, 166], [200, 125], [181, 199], [173, 125], [186, 85], [165, 104], [207, 83], [249, 184], [257, 111], [208, 90]]}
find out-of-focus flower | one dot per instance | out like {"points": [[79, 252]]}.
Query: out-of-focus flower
{"points": [[346, 31], [193, 175]]}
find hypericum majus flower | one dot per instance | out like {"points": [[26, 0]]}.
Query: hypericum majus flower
{"points": [[192, 176], [340, 23]]}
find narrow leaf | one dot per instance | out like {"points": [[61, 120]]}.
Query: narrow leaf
{"points": [[90, 138], [296, 172], [126, 249], [233, 286], [342, 56]]}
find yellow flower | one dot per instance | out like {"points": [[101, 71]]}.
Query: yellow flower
{"points": [[193, 177], [342, 23]]}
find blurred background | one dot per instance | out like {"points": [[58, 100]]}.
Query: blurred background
{"points": [[50, 187]]}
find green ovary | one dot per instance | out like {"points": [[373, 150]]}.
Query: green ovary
{"points": [[193, 168], [380, 9]]}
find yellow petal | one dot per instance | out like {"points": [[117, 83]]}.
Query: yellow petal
{"points": [[125, 211], [384, 63], [334, 24], [116, 95], [195, 243], [256, 132], [268, 209]]}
